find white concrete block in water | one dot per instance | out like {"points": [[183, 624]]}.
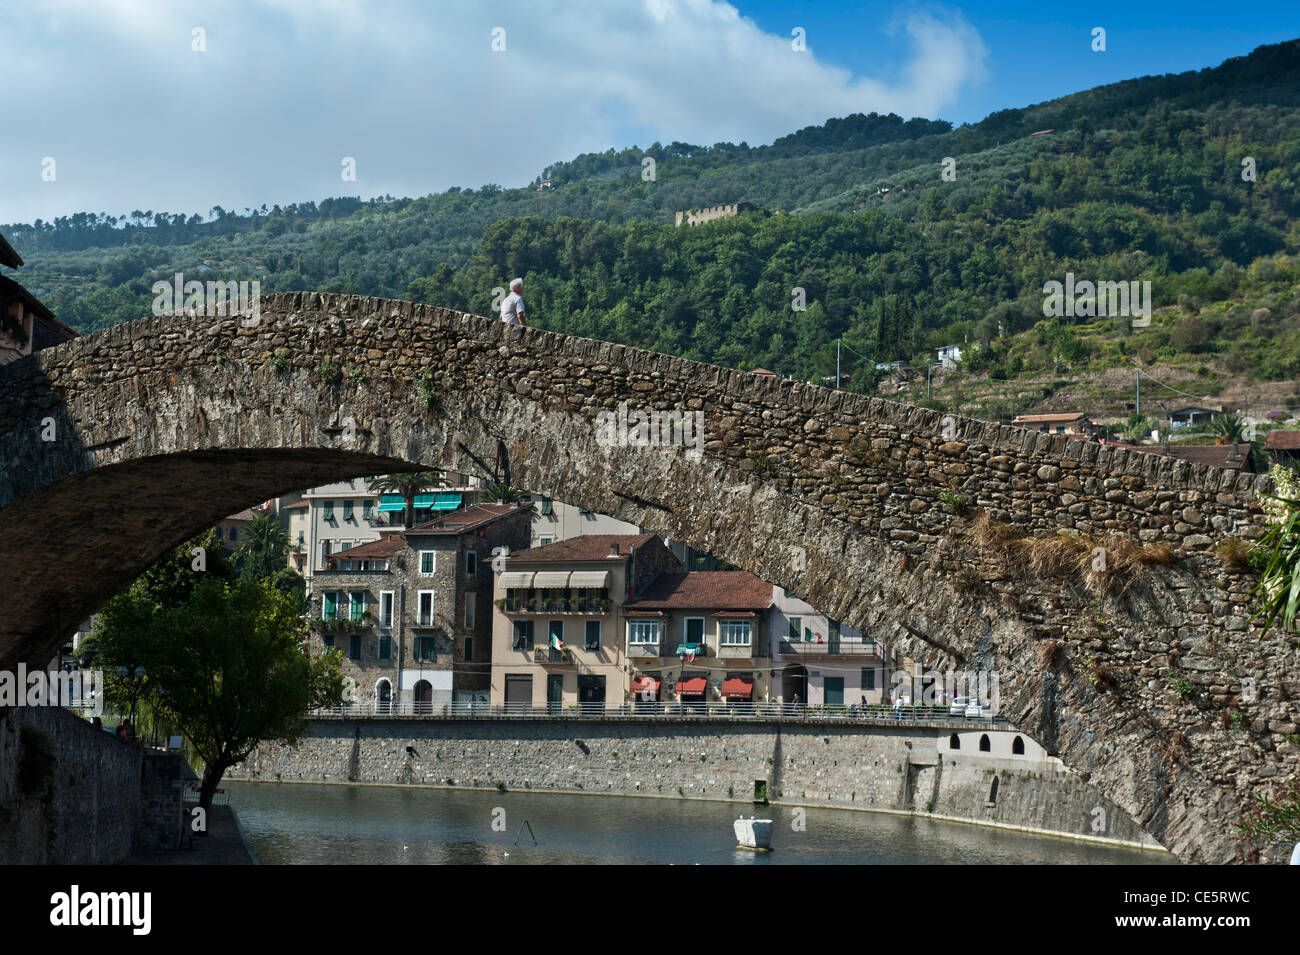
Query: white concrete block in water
{"points": [[753, 833]]}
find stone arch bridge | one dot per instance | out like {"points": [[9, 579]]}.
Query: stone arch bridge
{"points": [[939, 535]]}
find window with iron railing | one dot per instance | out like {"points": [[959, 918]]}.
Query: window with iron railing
{"points": [[523, 635], [426, 650]]}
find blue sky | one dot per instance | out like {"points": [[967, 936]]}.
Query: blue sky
{"points": [[269, 98]]}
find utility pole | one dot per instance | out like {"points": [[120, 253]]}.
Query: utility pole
{"points": [[1137, 404], [837, 364]]}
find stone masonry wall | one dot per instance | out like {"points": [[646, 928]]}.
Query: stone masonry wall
{"points": [[799, 764], [843, 499], [72, 794]]}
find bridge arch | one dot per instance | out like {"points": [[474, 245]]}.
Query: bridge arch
{"points": [[119, 445]]}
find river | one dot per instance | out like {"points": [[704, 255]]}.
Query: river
{"points": [[315, 824]]}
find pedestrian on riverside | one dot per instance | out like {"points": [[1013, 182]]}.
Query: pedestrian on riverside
{"points": [[512, 306], [124, 730]]}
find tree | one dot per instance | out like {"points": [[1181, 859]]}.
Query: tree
{"points": [[408, 484], [228, 667], [265, 551], [1229, 428]]}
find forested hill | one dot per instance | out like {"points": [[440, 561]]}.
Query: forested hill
{"points": [[1140, 180]]}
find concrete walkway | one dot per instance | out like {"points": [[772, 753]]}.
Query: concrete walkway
{"points": [[223, 845]]}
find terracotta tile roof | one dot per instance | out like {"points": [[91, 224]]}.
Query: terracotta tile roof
{"points": [[1233, 457], [1283, 441], [587, 547], [705, 590], [384, 547], [1040, 418], [465, 519]]}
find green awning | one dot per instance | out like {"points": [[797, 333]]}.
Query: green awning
{"points": [[423, 501], [685, 648], [447, 502], [391, 502]]}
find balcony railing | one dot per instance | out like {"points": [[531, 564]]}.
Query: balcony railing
{"points": [[838, 646], [565, 605], [881, 714], [552, 655]]}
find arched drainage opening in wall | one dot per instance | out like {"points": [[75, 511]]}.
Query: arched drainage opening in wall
{"points": [[984, 743], [993, 793], [1017, 747], [954, 742], [760, 791]]}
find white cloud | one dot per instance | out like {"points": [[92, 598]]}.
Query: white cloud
{"points": [[136, 119]]}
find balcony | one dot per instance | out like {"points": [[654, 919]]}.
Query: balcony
{"points": [[571, 605], [831, 646], [341, 625], [551, 655]]}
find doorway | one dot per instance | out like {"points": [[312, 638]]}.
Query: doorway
{"points": [[423, 697], [554, 691], [833, 687]]}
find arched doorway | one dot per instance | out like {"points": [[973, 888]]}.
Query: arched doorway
{"points": [[794, 685], [423, 697], [384, 696]]}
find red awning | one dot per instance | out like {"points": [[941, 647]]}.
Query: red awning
{"points": [[737, 687], [696, 684], [641, 684]]}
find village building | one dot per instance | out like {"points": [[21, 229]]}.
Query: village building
{"points": [[26, 326], [1078, 425], [411, 612], [557, 628]]}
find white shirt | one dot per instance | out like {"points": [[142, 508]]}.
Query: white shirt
{"points": [[512, 308]]}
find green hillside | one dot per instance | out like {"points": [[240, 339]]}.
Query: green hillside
{"points": [[1136, 181]]}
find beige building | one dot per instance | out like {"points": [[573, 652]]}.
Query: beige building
{"points": [[27, 326], [557, 634], [701, 637], [824, 662]]}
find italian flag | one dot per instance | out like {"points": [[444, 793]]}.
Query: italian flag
{"points": [[556, 642]]}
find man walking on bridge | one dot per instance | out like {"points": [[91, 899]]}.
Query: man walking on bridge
{"points": [[512, 307]]}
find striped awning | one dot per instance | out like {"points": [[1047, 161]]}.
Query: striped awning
{"points": [[392, 502], [447, 502], [516, 579], [551, 578], [589, 578]]}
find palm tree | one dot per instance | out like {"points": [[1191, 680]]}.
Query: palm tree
{"points": [[408, 484], [501, 493], [1230, 428], [266, 548]]}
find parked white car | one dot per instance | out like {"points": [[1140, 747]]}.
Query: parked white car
{"points": [[959, 705], [974, 711]]}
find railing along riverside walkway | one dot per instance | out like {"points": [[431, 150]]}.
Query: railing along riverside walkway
{"points": [[877, 715]]}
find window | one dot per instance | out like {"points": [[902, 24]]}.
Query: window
{"points": [[469, 609], [368, 510], [592, 638], [354, 650], [329, 511], [796, 628], [547, 507], [302, 538], [1060, 430], [868, 678], [347, 510], [523, 638], [358, 605], [734, 633], [469, 648], [555, 631], [385, 647], [386, 603], [543, 542], [328, 640], [424, 608], [471, 563], [425, 650], [643, 631], [427, 563], [329, 609]]}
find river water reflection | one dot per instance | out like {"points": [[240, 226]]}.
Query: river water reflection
{"points": [[305, 823]]}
